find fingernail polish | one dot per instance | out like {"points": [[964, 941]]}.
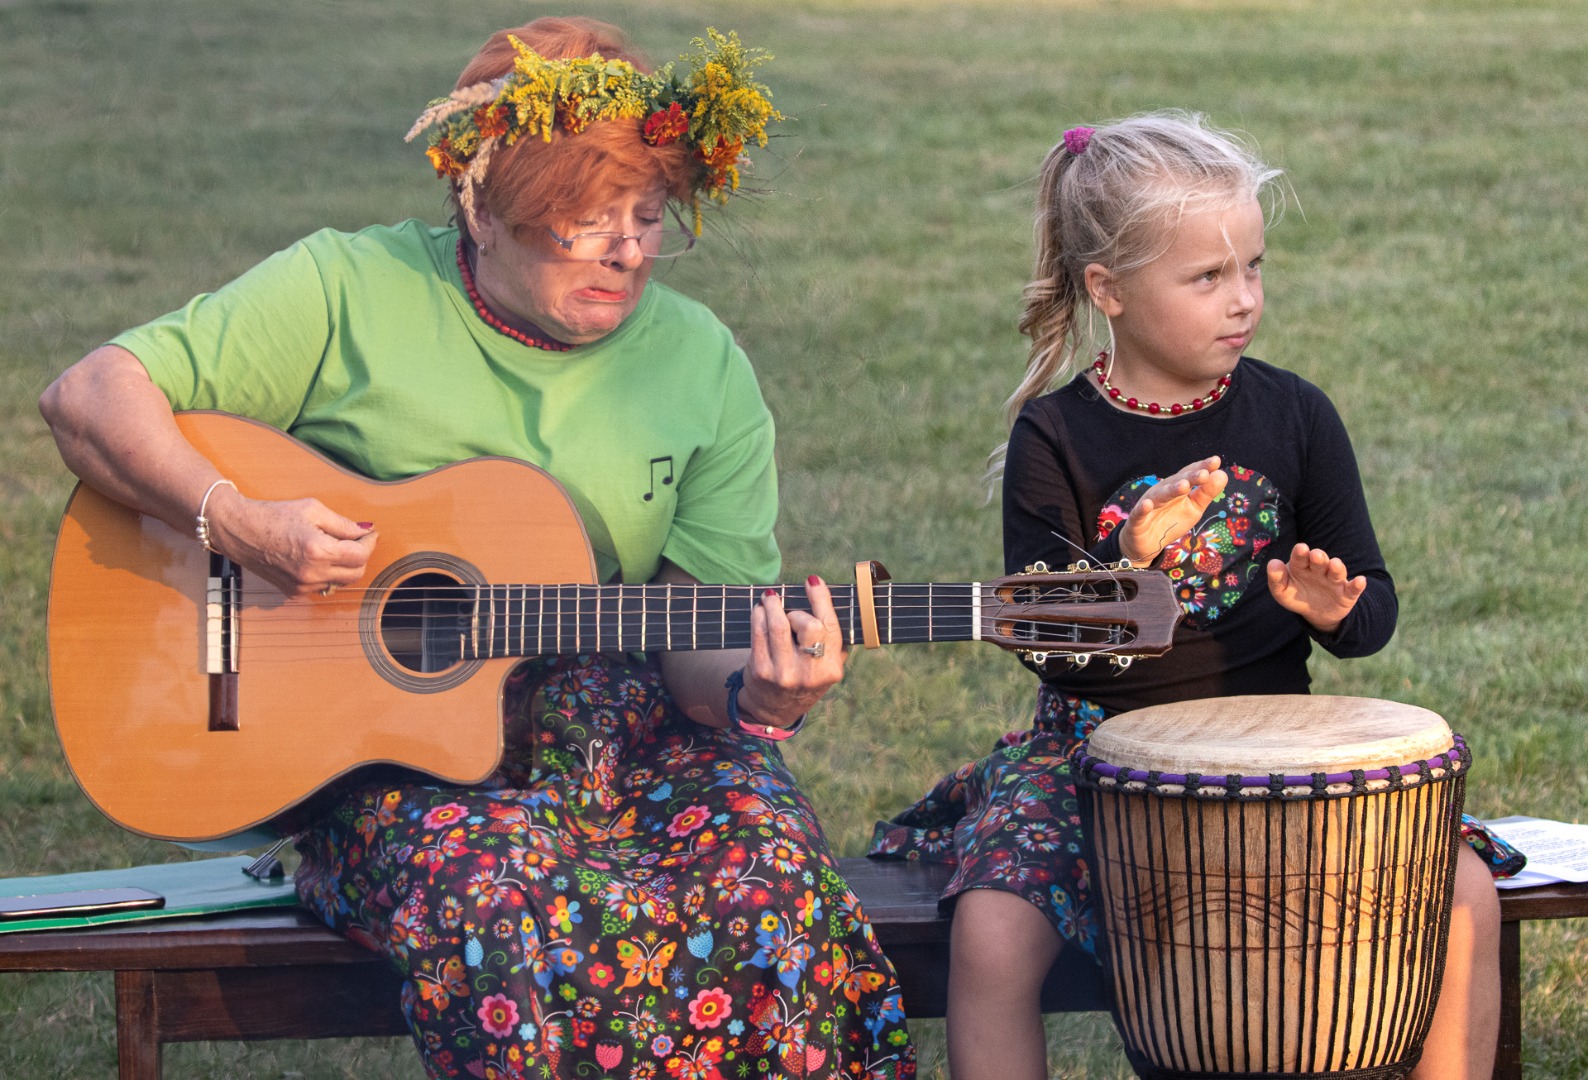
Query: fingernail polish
{"points": [[366, 525], [769, 594], [813, 580]]}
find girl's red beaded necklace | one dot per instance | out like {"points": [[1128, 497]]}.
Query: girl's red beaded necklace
{"points": [[533, 341], [1100, 371]]}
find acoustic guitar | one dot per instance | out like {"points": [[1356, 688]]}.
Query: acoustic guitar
{"points": [[195, 703]]}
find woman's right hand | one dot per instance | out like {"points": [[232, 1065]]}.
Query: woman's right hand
{"points": [[301, 546], [115, 430], [1170, 509]]}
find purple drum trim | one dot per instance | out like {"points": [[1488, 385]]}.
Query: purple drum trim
{"points": [[1088, 768]]}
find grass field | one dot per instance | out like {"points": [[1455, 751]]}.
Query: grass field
{"points": [[1431, 279]]}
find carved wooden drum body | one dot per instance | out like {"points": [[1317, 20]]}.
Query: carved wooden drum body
{"points": [[1274, 876]]}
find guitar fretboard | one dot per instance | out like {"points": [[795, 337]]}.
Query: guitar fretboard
{"points": [[543, 620]]}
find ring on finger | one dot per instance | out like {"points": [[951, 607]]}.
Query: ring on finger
{"points": [[329, 589], [817, 650]]}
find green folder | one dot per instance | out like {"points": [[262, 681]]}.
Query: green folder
{"points": [[190, 888]]}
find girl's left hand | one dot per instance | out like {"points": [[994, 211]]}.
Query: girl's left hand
{"points": [[783, 679], [1315, 587]]}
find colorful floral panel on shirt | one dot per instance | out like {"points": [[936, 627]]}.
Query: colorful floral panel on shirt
{"points": [[1212, 565]]}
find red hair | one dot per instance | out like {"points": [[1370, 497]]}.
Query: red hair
{"points": [[534, 183]]}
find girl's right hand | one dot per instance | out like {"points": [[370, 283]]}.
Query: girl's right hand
{"points": [[1170, 509], [301, 547]]}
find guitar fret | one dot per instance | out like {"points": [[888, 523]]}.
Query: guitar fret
{"points": [[474, 623], [488, 638], [888, 589], [608, 599], [975, 611], [506, 620]]}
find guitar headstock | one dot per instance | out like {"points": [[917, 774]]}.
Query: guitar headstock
{"points": [[1113, 611]]}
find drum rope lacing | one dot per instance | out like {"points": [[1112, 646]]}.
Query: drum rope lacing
{"points": [[1283, 786]]}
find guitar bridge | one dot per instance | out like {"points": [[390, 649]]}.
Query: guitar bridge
{"points": [[223, 601]]}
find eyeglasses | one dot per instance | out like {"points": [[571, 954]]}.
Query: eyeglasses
{"points": [[658, 242]]}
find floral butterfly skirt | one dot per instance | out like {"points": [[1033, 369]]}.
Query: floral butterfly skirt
{"points": [[633, 895]]}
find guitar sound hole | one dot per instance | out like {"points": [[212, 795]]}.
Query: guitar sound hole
{"points": [[426, 621]]}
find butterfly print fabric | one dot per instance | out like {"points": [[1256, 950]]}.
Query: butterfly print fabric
{"points": [[634, 896]]}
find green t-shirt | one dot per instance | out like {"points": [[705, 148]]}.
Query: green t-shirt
{"points": [[366, 346]]}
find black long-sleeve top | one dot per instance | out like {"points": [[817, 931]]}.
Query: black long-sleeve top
{"points": [[1076, 466]]}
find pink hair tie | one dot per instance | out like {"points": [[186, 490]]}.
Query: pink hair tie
{"points": [[1077, 139]]}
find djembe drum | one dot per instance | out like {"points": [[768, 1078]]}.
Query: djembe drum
{"points": [[1273, 876]]}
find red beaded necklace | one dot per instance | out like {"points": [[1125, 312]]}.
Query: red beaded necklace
{"points": [[532, 340], [1100, 371]]}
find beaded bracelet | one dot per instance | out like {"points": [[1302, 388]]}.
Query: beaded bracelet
{"points": [[202, 527], [734, 684]]}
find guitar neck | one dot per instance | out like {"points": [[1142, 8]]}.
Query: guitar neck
{"points": [[542, 620]]}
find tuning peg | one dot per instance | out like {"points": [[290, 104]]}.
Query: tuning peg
{"points": [[1080, 566], [1038, 567], [1121, 662]]}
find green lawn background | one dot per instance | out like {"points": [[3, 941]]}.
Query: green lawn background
{"points": [[1429, 275]]}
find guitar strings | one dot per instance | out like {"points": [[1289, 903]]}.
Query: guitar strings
{"points": [[907, 608]]}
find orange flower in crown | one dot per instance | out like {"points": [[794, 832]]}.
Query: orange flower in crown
{"points": [[492, 121], [717, 108], [445, 164], [666, 126]]}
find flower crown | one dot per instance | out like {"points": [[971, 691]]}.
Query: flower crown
{"points": [[716, 109]]}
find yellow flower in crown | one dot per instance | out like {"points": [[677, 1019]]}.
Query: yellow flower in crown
{"points": [[717, 108]]}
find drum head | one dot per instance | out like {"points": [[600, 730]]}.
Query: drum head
{"points": [[1279, 733]]}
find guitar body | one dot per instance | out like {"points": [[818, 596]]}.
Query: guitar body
{"points": [[319, 689]]}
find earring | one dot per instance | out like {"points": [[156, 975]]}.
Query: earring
{"points": [[480, 246]]}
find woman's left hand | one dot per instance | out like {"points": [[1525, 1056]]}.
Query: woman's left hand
{"points": [[795, 656]]}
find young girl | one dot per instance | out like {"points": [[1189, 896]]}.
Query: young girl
{"points": [[1173, 450]]}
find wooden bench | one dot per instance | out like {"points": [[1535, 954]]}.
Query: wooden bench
{"points": [[280, 974]]}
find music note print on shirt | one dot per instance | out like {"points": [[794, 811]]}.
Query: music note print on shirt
{"points": [[666, 480]]}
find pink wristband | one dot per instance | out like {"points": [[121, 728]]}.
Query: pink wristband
{"points": [[734, 684]]}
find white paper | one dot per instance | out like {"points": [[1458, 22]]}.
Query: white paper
{"points": [[1556, 851]]}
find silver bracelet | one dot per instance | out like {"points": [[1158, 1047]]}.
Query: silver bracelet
{"points": [[201, 528]]}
